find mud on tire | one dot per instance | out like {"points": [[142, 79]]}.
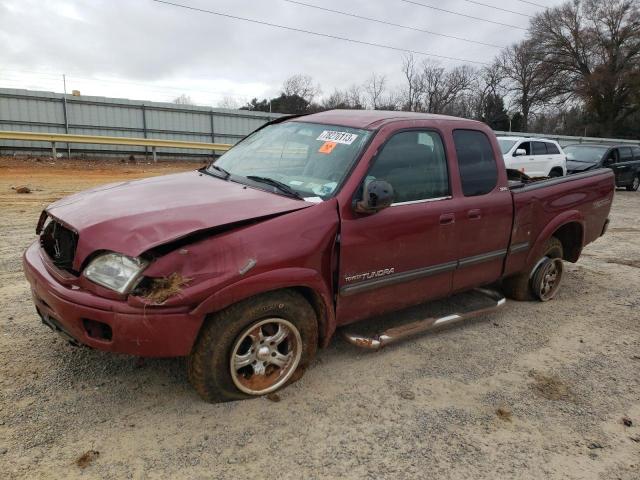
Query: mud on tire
{"points": [[219, 344], [518, 287]]}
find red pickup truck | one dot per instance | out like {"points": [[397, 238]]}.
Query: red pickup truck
{"points": [[309, 224]]}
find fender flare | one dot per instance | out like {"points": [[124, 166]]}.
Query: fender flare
{"points": [[565, 218], [276, 280]]}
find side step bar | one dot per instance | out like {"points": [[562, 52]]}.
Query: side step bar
{"points": [[396, 334]]}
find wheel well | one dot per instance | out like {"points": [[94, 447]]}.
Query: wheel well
{"points": [[315, 300], [570, 235]]}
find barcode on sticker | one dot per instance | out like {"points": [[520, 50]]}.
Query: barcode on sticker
{"points": [[337, 137]]}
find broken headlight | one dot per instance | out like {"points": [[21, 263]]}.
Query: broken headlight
{"points": [[115, 271]]}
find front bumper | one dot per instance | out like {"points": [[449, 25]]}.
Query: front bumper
{"points": [[146, 332]]}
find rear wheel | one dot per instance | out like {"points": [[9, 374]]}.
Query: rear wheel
{"points": [[254, 347], [635, 184], [556, 172], [530, 285], [547, 278]]}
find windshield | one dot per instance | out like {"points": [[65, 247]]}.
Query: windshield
{"points": [[585, 153], [505, 145], [309, 158]]}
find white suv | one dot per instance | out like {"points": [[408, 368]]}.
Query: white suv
{"points": [[536, 157]]}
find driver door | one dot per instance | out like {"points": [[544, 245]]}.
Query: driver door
{"points": [[404, 254]]}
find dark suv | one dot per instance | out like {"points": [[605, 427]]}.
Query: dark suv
{"points": [[624, 160]]}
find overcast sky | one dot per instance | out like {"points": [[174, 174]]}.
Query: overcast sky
{"points": [[145, 50]]}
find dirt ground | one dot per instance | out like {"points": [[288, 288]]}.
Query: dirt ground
{"points": [[535, 391]]}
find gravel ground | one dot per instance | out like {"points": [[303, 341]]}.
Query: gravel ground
{"points": [[533, 391]]}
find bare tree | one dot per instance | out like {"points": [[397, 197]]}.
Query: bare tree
{"points": [[531, 84], [183, 100], [351, 98], [414, 88], [593, 46], [228, 102], [301, 86], [391, 101], [442, 87], [489, 85], [355, 97], [336, 100], [374, 88]]}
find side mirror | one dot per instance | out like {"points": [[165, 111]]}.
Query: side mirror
{"points": [[376, 195], [607, 162], [520, 152]]}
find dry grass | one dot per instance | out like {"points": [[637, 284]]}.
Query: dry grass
{"points": [[161, 289]]}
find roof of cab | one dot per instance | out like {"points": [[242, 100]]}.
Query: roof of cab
{"points": [[370, 119]]}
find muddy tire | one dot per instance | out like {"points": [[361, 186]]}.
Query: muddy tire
{"points": [[525, 286], [635, 184], [254, 347]]}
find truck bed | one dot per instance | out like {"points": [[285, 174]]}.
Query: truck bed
{"points": [[578, 204]]}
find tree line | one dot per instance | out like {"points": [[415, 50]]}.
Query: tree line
{"points": [[577, 72]]}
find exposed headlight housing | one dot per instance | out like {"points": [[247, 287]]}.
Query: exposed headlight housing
{"points": [[115, 271]]}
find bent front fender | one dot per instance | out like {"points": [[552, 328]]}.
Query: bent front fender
{"points": [[276, 280]]}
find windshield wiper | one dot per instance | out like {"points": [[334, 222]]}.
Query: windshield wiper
{"points": [[221, 170], [224, 174], [283, 187]]}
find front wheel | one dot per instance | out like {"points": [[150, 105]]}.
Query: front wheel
{"points": [[635, 185], [254, 347]]}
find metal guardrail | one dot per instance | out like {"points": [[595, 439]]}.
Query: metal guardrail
{"points": [[54, 138], [565, 140]]}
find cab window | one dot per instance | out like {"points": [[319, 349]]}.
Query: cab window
{"points": [[476, 162], [415, 165]]}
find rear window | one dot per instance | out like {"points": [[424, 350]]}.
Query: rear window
{"points": [[552, 149], [539, 148], [476, 162]]}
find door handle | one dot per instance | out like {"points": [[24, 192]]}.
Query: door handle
{"points": [[447, 219], [474, 214]]}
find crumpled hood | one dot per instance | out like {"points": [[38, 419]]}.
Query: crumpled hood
{"points": [[133, 217], [573, 166]]}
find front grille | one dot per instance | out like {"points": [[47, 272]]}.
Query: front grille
{"points": [[60, 244]]}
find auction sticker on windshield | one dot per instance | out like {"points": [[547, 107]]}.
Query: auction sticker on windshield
{"points": [[337, 137], [327, 147]]}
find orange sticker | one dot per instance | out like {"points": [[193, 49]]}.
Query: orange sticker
{"points": [[327, 147]]}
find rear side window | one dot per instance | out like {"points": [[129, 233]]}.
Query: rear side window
{"points": [[539, 148], [552, 149], [476, 162], [625, 154]]}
